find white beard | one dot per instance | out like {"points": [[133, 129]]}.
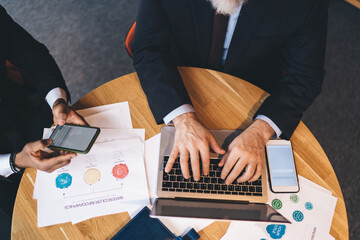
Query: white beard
{"points": [[226, 7]]}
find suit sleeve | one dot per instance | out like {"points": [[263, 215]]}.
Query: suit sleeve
{"points": [[303, 56], [153, 61], [25, 52]]}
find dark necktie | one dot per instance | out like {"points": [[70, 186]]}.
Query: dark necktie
{"points": [[220, 23]]}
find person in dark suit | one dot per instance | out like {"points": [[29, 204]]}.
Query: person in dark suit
{"points": [[25, 111], [277, 45]]}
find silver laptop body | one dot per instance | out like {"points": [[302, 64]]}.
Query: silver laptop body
{"points": [[230, 206]]}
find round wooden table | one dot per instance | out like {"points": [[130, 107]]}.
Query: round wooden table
{"points": [[221, 102]]}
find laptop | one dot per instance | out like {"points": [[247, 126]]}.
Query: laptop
{"points": [[210, 197]]}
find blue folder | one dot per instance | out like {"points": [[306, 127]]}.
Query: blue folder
{"points": [[142, 226]]}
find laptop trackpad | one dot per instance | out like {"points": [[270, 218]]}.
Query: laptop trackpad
{"points": [[224, 210]]}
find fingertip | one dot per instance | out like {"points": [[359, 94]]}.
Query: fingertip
{"points": [[46, 142]]}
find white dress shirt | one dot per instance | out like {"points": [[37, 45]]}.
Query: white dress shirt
{"points": [[50, 98], [188, 108]]}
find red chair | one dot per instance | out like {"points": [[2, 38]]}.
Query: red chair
{"points": [[129, 38]]}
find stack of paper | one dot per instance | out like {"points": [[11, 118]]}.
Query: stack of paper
{"points": [[310, 212], [109, 179]]}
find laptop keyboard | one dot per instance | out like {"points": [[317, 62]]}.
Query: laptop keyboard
{"points": [[212, 183]]}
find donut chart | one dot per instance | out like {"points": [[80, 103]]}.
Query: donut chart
{"points": [[120, 171], [92, 176], [64, 180]]}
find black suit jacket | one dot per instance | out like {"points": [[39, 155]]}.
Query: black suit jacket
{"points": [[23, 108], [277, 45]]}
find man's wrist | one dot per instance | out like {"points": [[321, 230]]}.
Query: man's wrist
{"points": [[265, 131], [59, 101], [18, 160], [184, 117], [271, 123], [185, 108]]}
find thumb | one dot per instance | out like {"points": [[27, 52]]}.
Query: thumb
{"points": [[215, 146], [61, 113], [40, 144], [62, 118]]}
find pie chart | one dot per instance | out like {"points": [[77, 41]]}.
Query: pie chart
{"points": [[120, 171], [64, 180], [92, 176]]}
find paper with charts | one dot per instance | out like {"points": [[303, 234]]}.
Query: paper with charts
{"points": [[310, 212], [109, 179]]}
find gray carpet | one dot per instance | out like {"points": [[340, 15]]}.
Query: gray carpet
{"points": [[86, 39]]}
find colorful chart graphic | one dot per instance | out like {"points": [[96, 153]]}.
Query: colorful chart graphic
{"points": [[120, 171], [276, 231], [309, 206], [294, 198], [64, 180], [276, 203], [298, 216], [92, 176]]}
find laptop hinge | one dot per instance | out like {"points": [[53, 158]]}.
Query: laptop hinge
{"points": [[210, 200]]}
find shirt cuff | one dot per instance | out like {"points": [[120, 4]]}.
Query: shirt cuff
{"points": [[54, 95], [5, 169], [185, 108], [272, 124]]}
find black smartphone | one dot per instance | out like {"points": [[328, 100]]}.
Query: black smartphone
{"points": [[74, 138]]}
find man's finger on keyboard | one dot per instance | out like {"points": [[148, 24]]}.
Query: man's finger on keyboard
{"points": [[239, 166], [257, 173], [184, 162], [230, 162], [249, 172], [173, 155], [223, 159], [205, 158], [195, 165]]}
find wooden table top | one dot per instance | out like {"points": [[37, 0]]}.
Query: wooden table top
{"points": [[221, 102]]}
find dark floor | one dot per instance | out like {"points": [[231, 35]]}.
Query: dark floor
{"points": [[86, 39]]}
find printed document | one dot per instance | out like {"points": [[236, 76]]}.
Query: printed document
{"points": [[109, 179]]}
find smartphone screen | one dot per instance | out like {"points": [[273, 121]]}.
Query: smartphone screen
{"points": [[72, 137], [281, 166]]}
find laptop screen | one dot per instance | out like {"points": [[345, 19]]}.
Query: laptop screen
{"points": [[223, 210]]}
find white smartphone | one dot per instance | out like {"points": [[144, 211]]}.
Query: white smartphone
{"points": [[281, 167]]}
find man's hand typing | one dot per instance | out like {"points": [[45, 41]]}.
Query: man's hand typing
{"points": [[246, 151], [192, 139]]}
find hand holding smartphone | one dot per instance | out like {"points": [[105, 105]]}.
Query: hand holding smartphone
{"points": [[74, 138], [281, 167]]}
